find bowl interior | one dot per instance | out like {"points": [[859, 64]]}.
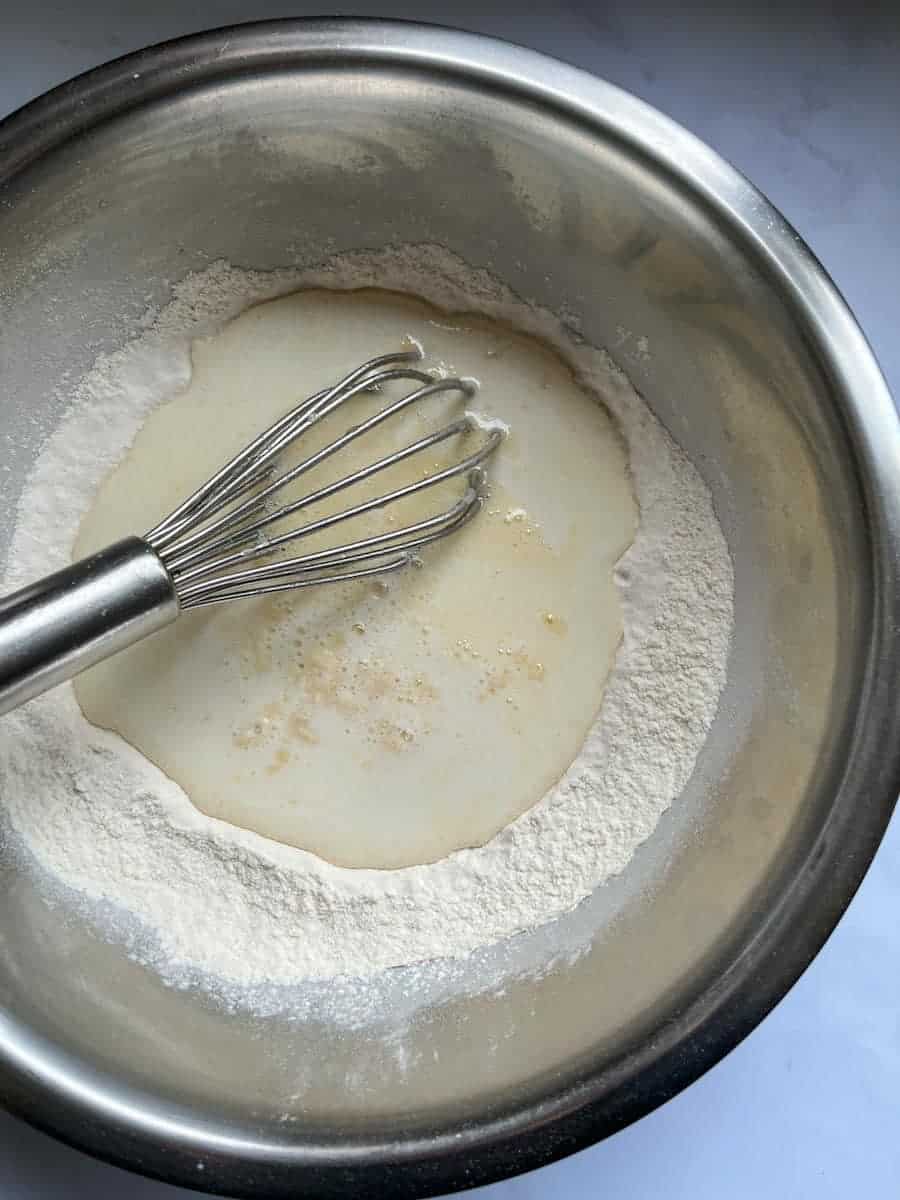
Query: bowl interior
{"points": [[279, 160]]}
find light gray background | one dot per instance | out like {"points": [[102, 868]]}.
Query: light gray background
{"points": [[805, 99]]}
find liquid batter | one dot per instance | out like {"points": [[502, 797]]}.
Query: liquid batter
{"points": [[380, 725]]}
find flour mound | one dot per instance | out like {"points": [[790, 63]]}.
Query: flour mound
{"points": [[223, 903]]}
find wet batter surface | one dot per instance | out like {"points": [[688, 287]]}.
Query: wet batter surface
{"points": [[387, 724]]}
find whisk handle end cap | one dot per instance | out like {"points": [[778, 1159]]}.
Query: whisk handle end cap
{"points": [[52, 630]]}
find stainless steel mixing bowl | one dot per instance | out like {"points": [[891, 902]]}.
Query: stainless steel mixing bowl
{"points": [[274, 144]]}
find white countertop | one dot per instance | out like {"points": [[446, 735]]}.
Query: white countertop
{"points": [[805, 101]]}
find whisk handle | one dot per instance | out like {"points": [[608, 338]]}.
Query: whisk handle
{"points": [[52, 630]]}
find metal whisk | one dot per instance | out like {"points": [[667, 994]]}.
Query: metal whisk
{"points": [[227, 540]]}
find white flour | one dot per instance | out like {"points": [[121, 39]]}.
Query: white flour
{"points": [[224, 903]]}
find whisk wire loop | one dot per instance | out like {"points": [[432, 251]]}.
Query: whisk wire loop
{"points": [[209, 542]]}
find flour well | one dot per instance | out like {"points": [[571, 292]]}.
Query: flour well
{"points": [[223, 903], [386, 724]]}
